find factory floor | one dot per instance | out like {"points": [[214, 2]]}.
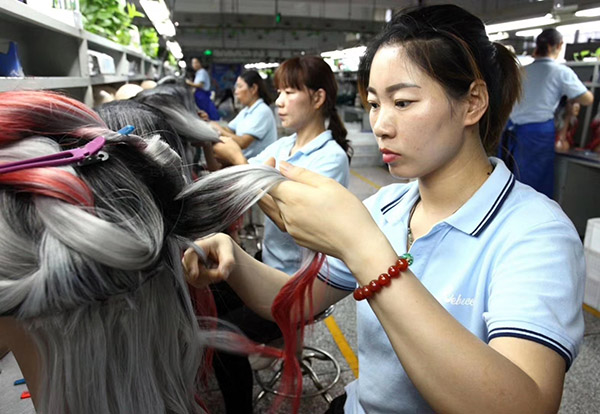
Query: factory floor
{"points": [[337, 335]]}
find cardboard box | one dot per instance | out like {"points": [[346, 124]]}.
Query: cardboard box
{"points": [[592, 263], [592, 235]]}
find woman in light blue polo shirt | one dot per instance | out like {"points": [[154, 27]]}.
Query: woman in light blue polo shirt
{"points": [[254, 128], [306, 105], [488, 318], [307, 98], [528, 144]]}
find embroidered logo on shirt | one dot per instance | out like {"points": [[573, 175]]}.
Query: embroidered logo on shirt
{"points": [[459, 300]]}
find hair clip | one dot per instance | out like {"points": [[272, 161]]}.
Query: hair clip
{"points": [[88, 154], [126, 130]]}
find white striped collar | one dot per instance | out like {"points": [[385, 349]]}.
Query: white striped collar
{"points": [[474, 216]]}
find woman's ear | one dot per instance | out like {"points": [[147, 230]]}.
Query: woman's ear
{"points": [[319, 97], [254, 89], [478, 101]]}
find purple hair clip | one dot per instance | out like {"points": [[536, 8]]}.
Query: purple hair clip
{"points": [[87, 154]]}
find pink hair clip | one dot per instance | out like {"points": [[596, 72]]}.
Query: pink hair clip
{"points": [[87, 154]]}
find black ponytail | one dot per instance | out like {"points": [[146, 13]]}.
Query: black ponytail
{"points": [[339, 132], [502, 96]]}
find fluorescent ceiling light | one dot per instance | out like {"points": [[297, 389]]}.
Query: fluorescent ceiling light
{"points": [[261, 65], [388, 15], [175, 49], [165, 28], [496, 37], [353, 52], [344, 60], [582, 27], [182, 64], [520, 24], [588, 12], [159, 15], [529, 33]]}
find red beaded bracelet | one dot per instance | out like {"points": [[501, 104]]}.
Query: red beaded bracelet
{"points": [[384, 279]]}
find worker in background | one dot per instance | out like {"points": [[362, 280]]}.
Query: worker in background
{"points": [[254, 128], [528, 142], [202, 94]]}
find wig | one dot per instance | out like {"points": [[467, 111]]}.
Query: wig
{"points": [[185, 121], [237, 188], [90, 259], [183, 93], [146, 120], [177, 105]]}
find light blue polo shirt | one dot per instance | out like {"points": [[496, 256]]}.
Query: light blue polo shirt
{"points": [[203, 76], [322, 155], [258, 121], [544, 83], [508, 263]]}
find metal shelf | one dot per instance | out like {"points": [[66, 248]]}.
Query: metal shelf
{"points": [[59, 82], [106, 79], [577, 63], [54, 55], [103, 43], [17, 11], [96, 41]]}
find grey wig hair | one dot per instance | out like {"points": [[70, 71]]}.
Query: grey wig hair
{"points": [[163, 116], [100, 288]]}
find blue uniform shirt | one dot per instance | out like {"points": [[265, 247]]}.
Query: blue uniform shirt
{"points": [[508, 263], [544, 83], [202, 76], [258, 121], [322, 155]]}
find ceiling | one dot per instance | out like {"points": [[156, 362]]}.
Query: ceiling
{"points": [[248, 31]]}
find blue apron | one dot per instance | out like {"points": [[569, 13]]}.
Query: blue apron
{"points": [[528, 150], [203, 102]]}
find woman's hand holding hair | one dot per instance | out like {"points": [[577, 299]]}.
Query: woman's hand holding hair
{"points": [[217, 127], [211, 161], [320, 214], [203, 115], [256, 283], [220, 254], [228, 150], [221, 129], [268, 205]]}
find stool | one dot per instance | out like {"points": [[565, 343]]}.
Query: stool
{"points": [[306, 356]]}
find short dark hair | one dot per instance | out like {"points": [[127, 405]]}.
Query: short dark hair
{"points": [[252, 77], [548, 37], [451, 46]]}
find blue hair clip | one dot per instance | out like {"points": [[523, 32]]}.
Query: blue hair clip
{"points": [[126, 130]]}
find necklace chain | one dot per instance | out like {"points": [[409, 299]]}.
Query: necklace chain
{"points": [[409, 235]]}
